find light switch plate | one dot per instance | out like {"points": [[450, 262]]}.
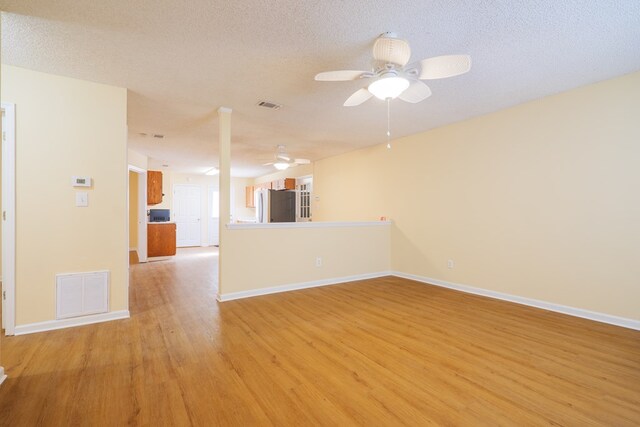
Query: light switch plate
{"points": [[82, 199]]}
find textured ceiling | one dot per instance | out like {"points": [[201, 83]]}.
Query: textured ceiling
{"points": [[181, 60]]}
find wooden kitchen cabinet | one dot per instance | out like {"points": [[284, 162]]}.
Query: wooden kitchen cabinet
{"points": [[154, 187], [250, 203], [284, 184], [161, 239]]}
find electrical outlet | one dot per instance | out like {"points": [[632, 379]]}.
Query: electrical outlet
{"points": [[318, 262], [450, 263]]}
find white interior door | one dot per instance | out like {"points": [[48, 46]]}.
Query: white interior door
{"points": [[186, 214], [214, 217]]}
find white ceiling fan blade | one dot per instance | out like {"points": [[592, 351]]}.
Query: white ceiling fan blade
{"points": [[268, 164], [416, 92], [301, 161], [358, 98], [339, 76], [440, 67]]}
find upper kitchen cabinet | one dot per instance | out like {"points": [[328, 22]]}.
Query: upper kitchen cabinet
{"points": [[154, 187], [284, 184], [249, 196]]}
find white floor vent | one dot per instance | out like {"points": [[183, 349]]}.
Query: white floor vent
{"points": [[81, 294]]}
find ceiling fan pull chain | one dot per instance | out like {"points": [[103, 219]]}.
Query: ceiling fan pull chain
{"points": [[388, 123]]}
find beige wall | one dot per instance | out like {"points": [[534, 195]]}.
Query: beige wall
{"points": [[133, 210], [540, 200], [239, 209], [256, 259], [136, 159], [67, 127]]}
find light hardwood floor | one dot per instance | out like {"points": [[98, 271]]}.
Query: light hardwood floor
{"points": [[377, 352]]}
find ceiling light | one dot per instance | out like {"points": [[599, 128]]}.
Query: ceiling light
{"points": [[212, 171], [389, 85], [281, 166]]}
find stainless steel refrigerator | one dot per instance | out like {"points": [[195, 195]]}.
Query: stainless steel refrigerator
{"points": [[275, 206]]}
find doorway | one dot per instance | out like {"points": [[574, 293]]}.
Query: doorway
{"points": [[8, 217], [138, 212], [186, 213]]}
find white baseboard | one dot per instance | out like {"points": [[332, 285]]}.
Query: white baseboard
{"points": [[51, 325], [2, 375], [571, 311], [297, 286]]}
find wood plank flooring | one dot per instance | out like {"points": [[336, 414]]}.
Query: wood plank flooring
{"points": [[387, 351]]}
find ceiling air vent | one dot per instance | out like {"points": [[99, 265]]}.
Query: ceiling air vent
{"points": [[157, 135], [269, 105]]}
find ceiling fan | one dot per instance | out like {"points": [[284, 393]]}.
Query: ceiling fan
{"points": [[283, 161], [391, 77]]}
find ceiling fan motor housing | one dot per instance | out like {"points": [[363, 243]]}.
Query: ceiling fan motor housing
{"points": [[389, 49]]}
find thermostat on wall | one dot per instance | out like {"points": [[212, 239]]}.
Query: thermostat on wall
{"points": [[81, 181]]}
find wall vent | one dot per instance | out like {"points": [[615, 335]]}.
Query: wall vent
{"points": [[81, 294], [269, 105]]}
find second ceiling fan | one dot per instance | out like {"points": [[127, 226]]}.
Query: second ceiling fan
{"points": [[393, 78], [283, 161]]}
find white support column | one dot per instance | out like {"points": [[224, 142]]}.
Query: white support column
{"points": [[224, 123]]}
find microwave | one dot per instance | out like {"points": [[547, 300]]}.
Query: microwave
{"points": [[159, 215]]}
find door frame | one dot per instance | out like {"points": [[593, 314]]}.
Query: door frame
{"points": [[142, 212], [173, 211], [9, 218]]}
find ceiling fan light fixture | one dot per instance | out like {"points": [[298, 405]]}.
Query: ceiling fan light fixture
{"points": [[388, 87], [281, 166]]}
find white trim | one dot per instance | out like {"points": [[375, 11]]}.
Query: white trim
{"points": [[137, 169], [51, 325], [2, 375], [224, 110], [306, 225], [296, 286], [571, 311], [9, 224], [133, 249]]}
